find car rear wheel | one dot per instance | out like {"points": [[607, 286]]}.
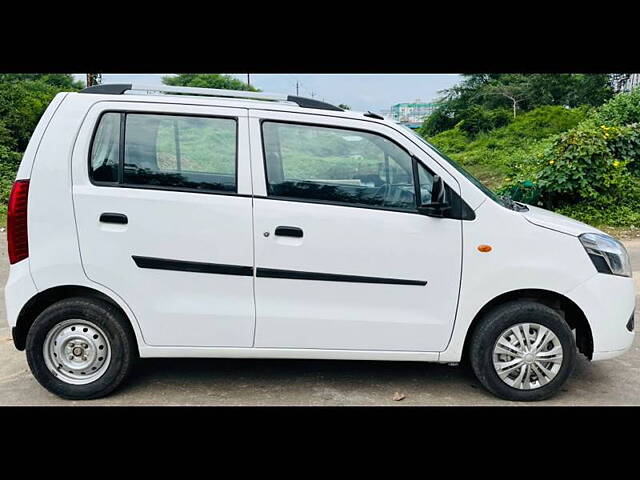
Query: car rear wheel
{"points": [[80, 348], [523, 351]]}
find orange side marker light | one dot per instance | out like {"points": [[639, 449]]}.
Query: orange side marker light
{"points": [[484, 248]]}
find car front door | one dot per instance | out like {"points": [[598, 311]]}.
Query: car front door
{"points": [[343, 259], [162, 198]]}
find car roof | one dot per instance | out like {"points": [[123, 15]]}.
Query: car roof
{"points": [[223, 98]]}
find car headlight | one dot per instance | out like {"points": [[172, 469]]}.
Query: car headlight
{"points": [[607, 254]]}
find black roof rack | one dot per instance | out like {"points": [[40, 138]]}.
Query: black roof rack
{"points": [[373, 115], [311, 103], [108, 88], [121, 88]]}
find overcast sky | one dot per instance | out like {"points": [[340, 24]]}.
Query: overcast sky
{"points": [[361, 92]]}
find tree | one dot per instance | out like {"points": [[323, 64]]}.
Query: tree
{"points": [[441, 119], [22, 103], [62, 81], [344, 107], [514, 88], [208, 80], [518, 92]]}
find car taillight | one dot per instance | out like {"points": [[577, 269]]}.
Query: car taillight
{"points": [[17, 238]]}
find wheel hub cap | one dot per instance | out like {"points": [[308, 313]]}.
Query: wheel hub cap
{"points": [[527, 356], [77, 351]]}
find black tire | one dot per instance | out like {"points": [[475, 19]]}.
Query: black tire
{"points": [[495, 323], [114, 325]]}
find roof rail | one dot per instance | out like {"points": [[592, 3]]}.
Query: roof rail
{"points": [[121, 88]]}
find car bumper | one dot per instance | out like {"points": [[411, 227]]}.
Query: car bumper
{"points": [[608, 302], [18, 290]]}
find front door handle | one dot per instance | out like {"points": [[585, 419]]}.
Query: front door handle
{"points": [[289, 232], [118, 218]]}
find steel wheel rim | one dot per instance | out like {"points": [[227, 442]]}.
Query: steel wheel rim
{"points": [[77, 352], [527, 356]]}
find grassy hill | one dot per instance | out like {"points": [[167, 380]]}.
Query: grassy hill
{"points": [[489, 156]]}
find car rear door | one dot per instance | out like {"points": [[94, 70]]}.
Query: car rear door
{"points": [[343, 259], [164, 218]]}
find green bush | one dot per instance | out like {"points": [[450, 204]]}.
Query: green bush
{"points": [[605, 213], [582, 162], [440, 120], [23, 100], [623, 109], [587, 163], [476, 120], [491, 156]]}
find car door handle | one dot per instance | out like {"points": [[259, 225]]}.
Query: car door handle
{"points": [[118, 218], [289, 232]]}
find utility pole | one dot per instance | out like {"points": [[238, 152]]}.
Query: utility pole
{"points": [[297, 89], [248, 79]]}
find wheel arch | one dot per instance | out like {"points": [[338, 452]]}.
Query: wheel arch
{"points": [[570, 311], [39, 302]]}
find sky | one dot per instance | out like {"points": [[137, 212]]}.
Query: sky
{"points": [[361, 92]]}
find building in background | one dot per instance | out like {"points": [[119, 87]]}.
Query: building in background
{"points": [[410, 114], [625, 82], [632, 82]]}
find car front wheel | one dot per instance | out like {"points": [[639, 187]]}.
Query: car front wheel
{"points": [[523, 351]]}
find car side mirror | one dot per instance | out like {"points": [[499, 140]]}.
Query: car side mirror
{"points": [[439, 202]]}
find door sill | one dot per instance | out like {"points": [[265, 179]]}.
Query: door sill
{"points": [[291, 353]]}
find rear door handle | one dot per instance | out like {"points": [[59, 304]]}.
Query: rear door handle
{"points": [[118, 218], [289, 232]]}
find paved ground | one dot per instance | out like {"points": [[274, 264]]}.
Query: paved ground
{"points": [[306, 382]]}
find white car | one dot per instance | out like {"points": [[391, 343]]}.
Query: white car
{"points": [[152, 221]]}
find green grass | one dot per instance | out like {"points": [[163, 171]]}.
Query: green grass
{"points": [[489, 156]]}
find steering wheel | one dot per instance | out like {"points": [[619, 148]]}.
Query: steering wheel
{"points": [[399, 194], [382, 190]]}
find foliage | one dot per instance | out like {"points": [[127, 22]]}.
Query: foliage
{"points": [[441, 119], [9, 162], [605, 214], [6, 139], [590, 172], [623, 109], [518, 93], [478, 120], [23, 100], [207, 80], [491, 156], [61, 81], [588, 163]]}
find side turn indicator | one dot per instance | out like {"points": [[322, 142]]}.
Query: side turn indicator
{"points": [[484, 248]]}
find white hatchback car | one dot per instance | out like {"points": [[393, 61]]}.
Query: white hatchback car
{"points": [[177, 222]]}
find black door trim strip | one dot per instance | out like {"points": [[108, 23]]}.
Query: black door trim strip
{"points": [[196, 267], [216, 268], [332, 277]]}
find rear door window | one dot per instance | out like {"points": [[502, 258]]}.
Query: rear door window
{"points": [[105, 151], [166, 151], [180, 151]]}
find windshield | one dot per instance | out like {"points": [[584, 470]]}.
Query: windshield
{"points": [[457, 166]]}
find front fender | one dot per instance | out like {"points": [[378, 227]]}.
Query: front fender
{"points": [[523, 257]]}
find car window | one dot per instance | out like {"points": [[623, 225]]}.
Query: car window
{"points": [[426, 184], [337, 165], [105, 151], [180, 152]]}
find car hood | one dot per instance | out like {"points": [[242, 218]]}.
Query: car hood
{"points": [[560, 223]]}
